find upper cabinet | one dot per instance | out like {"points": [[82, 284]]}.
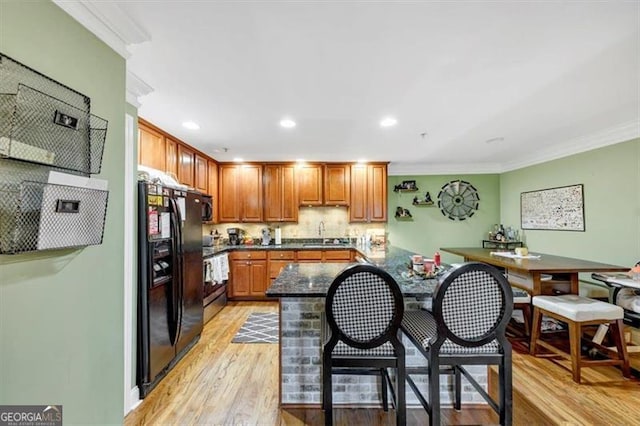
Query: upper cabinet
{"points": [[171, 150], [228, 193], [151, 148], [240, 193], [213, 188], [368, 193], [251, 193], [186, 166], [280, 193], [201, 179], [309, 178], [323, 184], [337, 182], [159, 150]]}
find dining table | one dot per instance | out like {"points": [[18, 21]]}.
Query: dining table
{"points": [[537, 273]]}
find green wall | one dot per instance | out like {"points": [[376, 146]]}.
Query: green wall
{"points": [[611, 179], [61, 313], [428, 230]]}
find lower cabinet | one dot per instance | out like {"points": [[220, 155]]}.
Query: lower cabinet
{"points": [[309, 256], [248, 278], [278, 259], [337, 256], [253, 271]]}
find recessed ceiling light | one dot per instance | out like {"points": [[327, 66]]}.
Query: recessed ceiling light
{"points": [[238, 160], [388, 122], [492, 140], [287, 123], [191, 125]]}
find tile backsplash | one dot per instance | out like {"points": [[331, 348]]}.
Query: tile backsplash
{"points": [[336, 224]]}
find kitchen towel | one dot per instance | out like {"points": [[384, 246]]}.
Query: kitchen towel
{"points": [[219, 268]]}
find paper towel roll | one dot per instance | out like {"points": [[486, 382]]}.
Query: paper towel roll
{"points": [[278, 236]]}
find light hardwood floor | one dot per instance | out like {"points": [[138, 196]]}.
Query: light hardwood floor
{"points": [[218, 382]]}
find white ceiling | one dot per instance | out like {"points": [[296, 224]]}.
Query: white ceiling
{"points": [[551, 78]]}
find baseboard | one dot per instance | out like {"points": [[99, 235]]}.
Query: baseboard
{"points": [[133, 401]]}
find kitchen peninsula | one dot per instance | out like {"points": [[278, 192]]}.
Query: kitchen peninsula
{"points": [[302, 289]]}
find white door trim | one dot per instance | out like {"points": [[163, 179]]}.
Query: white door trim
{"points": [[131, 393]]}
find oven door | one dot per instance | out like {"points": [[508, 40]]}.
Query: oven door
{"points": [[215, 294]]}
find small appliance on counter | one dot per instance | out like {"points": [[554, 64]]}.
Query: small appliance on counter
{"points": [[236, 236], [266, 236], [213, 239], [207, 241]]}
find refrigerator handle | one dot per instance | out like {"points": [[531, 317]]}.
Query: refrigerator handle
{"points": [[180, 287], [177, 272]]}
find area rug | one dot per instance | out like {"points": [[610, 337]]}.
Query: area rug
{"points": [[260, 327]]}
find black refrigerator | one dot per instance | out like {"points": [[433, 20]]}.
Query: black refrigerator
{"points": [[170, 278]]}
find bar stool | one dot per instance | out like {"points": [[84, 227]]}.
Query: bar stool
{"points": [[577, 312], [364, 308]]}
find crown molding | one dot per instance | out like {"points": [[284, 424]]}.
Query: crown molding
{"points": [[404, 169], [107, 22], [136, 88], [622, 132]]}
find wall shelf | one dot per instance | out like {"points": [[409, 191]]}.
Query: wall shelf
{"points": [[51, 129]]}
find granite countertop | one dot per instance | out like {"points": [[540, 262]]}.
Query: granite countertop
{"points": [[314, 279]]}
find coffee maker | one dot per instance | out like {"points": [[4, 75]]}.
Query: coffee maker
{"points": [[234, 236]]}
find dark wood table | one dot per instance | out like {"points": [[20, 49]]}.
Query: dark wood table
{"points": [[548, 274]]}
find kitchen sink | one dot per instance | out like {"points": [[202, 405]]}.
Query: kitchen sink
{"points": [[325, 245]]}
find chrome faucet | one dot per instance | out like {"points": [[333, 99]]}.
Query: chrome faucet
{"points": [[321, 230]]}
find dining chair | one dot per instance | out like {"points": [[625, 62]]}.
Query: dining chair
{"points": [[363, 312], [472, 305]]}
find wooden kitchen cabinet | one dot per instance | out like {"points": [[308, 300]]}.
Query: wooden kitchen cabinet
{"points": [[309, 256], [337, 256], [240, 193], [229, 193], [278, 259], [213, 188], [251, 193], [201, 178], [368, 198], [310, 188], [280, 193], [248, 278], [186, 167], [151, 147], [337, 182], [171, 154]]}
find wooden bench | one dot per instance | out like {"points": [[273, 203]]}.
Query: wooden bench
{"points": [[578, 312]]}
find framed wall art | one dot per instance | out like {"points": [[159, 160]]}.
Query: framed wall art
{"points": [[556, 209]]}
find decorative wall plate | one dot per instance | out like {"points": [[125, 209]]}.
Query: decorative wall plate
{"points": [[458, 200]]}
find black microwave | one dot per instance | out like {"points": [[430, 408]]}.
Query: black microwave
{"points": [[207, 208]]}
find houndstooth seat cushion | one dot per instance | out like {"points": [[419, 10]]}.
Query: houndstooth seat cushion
{"points": [[421, 327], [386, 349]]}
